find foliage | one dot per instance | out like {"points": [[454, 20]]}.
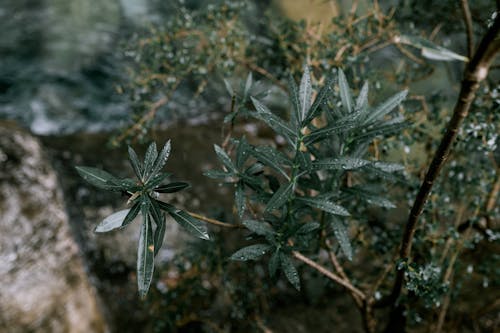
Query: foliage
{"points": [[143, 198]]}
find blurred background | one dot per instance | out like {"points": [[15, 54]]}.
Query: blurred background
{"points": [[81, 79]]}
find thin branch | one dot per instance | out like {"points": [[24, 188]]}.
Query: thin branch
{"points": [[475, 72], [468, 27], [215, 222], [329, 274], [493, 195]]}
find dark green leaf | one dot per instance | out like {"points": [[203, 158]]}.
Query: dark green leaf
{"points": [[294, 98], [159, 234], [136, 164], [320, 100], [328, 131], [251, 252], [304, 159], [371, 198], [145, 256], [224, 158], [113, 221], [189, 223], [281, 196], [162, 158], [345, 92], [290, 271], [385, 107], [381, 130], [172, 187], [339, 163], [274, 263], [149, 160], [324, 205], [272, 158], [261, 228], [248, 86], [342, 236], [136, 207], [362, 100], [254, 169], [305, 94], [273, 121], [239, 199], [157, 179], [100, 178], [242, 153], [308, 228]]}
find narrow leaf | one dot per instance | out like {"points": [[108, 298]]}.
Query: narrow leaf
{"points": [[328, 131], [157, 179], [134, 211], [159, 234], [339, 163], [251, 252], [305, 93], [239, 199], [242, 152], [320, 100], [388, 167], [272, 158], [280, 197], [190, 224], [172, 187], [162, 158], [273, 121], [345, 92], [248, 85], [308, 228], [99, 178], [113, 221], [362, 100], [136, 164], [274, 263], [342, 235], [290, 271], [324, 205], [145, 256], [229, 89], [216, 174], [224, 158], [149, 160], [380, 111], [261, 228], [294, 98]]}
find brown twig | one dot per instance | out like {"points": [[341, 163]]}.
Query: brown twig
{"points": [[468, 27], [475, 72], [329, 274], [215, 222]]}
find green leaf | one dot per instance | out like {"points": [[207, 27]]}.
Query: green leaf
{"points": [[149, 160], [339, 163], [229, 89], [239, 198], [159, 234], [381, 130], [362, 100], [324, 205], [113, 221], [274, 263], [248, 86], [136, 207], [172, 187], [342, 235], [251, 252], [388, 167], [328, 131], [280, 197], [305, 94], [272, 158], [273, 121], [320, 100], [162, 158], [155, 210], [189, 223], [431, 50], [261, 228], [308, 228], [372, 198], [224, 158], [380, 111], [242, 152], [345, 92], [294, 99], [136, 164], [157, 179], [100, 178], [290, 271], [145, 256]]}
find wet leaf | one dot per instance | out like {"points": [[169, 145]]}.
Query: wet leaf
{"points": [[261, 228], [342, 235], [273, 121], [194, 226], [224, 158], [145, 257], [339, 163], [380, 111], [136, 164], [290, 271], [251, 252], [162, 158], [239, 199], [324, 205], [100, 178], [149, 160], [274, 263], [305, 94], [280, 197], [113, 221], [345, 92], [172, 187]]}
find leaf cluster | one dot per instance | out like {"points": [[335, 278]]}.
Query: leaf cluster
{"points": [[143, 196]]}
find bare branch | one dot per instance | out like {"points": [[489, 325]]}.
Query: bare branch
{"points": [[468, 27]]}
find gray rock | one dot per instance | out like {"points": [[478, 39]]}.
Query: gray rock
{"points": [[44, 285]]}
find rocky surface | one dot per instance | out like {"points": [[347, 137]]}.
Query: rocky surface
{"points": [[45, 287]]}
